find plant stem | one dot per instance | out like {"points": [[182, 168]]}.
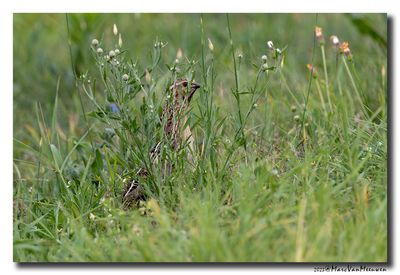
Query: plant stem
{"points": [[321, 96], [326, 77], [236, 91], [353, 83]]}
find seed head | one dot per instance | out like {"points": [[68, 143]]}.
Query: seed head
{"points": [[344, 48], [210, 45], [115, 29], [264, 58], [335, 40], [120, 41], [125, 77], [111, 54], [117, 51], [311, 68], [319, 35], [270, 44], [383, 71], [148, 77], [99, 50], [296, 118], [95, 43], [179, 53], [318, 32]]}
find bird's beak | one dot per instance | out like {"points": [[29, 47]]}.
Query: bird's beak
{"points": [[195, 85]]}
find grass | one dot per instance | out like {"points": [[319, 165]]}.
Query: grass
{"points": [[290, 164]]}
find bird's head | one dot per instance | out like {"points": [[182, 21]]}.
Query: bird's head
{"points": [[183, 89]]}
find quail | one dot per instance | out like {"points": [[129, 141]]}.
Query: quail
{"points": [[174, 117]]}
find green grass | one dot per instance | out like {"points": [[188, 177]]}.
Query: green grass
{"points": [[289, 165]]}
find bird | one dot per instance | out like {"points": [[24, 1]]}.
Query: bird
{"points": [[174, 116]]}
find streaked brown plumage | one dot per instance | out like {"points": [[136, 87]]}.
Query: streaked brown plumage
{"points": [[174, 115]]}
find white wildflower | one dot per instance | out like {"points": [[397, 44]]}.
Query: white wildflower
{"points": [[264, 58], [125, 77], [335, 40], [95, 42]]}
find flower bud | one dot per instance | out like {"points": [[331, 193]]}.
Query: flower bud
{"points": [[95, 42], [210, 45], [120, 41], [115, 29], [319, 35], [311, 68], [264, 58], [148, 77], [344, 48], [335, 40], [179, 53], [125, 77]]}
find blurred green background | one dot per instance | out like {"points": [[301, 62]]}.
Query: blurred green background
{"points": [[42, 55]]}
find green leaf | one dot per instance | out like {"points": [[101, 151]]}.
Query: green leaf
{"points": [[56, 156], [54, 116], [97, 164], [76, 144]]}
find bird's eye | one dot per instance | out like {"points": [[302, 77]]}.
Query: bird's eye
{"points": [[184, 84]]}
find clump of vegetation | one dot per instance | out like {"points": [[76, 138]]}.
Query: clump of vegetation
{"points": [[284, 163]]}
